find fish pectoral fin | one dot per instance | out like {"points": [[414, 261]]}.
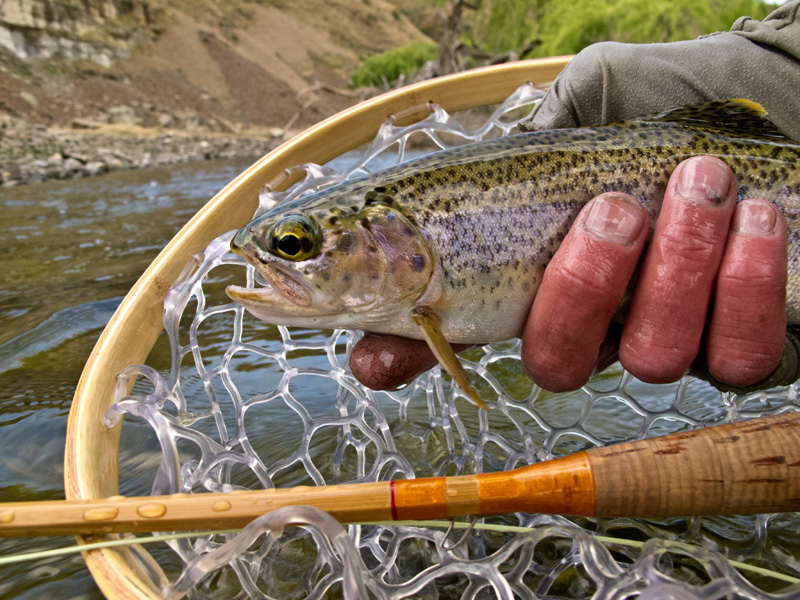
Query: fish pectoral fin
{"points": [[431, 326]]}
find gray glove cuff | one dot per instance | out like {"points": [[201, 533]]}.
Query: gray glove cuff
{"points": [[788, 370]]}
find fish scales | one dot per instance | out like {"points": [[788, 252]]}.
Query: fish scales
{"points": [[455, 244], [499, 210]]}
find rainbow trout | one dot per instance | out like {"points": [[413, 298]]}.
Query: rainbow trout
{"points": [[451, 247]]}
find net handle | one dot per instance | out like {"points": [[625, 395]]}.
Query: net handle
{"points": [[90, 462]]}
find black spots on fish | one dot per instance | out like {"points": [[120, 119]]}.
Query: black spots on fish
{"points": [[344, 242], [332, 221], [408, 232], [526, 285], [325, 276], [346, 277], [576, 159], [365, 223], [418, 262], [380, 195]]}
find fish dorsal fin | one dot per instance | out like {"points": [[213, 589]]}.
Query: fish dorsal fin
{"points": [[735, 116]]}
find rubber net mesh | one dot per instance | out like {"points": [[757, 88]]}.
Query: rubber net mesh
{"points": [[236, 403]]}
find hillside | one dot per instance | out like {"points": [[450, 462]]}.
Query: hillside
{"points": [[196, 65]]}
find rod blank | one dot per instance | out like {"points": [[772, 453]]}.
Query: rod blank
{"points": [[740, 468]]}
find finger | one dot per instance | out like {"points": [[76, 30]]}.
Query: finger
{"points": [[582, 288], [663, 330], [748, 321], [385, 362]]}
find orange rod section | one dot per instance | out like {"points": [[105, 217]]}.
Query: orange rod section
{"points": [[414, 499], [562, 486]]}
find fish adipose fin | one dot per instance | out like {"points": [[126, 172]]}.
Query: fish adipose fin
{"points": [[737, 116], [431, 326]]}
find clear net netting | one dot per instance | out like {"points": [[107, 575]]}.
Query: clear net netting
{"points": [[235, 403]]}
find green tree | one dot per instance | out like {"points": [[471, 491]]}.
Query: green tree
{"points": [[566, 28]]}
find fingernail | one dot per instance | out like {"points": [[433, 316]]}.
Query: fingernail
{"points": [[704, 180], [615, 218], [754, 218]]}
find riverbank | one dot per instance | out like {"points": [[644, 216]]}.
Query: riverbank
{"points": [[34, 155]]}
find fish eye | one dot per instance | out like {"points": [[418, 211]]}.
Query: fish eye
{"points": [[296, 238]]}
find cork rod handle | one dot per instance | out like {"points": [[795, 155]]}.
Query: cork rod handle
{"points": [[748, 467]]}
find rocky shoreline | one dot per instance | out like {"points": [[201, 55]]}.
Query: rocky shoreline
{"points": [[34, 155]]}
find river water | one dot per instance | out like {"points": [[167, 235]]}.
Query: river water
{"points": [[71, 251]]}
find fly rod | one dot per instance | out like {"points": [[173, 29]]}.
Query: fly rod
{"points": [[747, 467]]}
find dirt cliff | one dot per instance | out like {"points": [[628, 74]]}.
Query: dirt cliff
{"points": [[197, 65]]}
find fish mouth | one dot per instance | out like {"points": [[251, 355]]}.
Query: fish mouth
{"points": [[279, 281]]}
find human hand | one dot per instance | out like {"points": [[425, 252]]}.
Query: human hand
{"points": [[713, 268], [707, 252]]}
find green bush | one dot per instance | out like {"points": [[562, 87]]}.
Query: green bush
{"points": [[391, 64], [567, 28]]}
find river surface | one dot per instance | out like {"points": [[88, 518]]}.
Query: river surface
{"points": [[71, 251]]}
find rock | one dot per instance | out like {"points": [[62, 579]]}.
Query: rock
{"points": [[77, 156], [123, 115], [226, 126], [71, 167], [29, 98], [189, 121], [55, 159], [91, 169], [113, 163], [166, 120], [85, 124]]}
